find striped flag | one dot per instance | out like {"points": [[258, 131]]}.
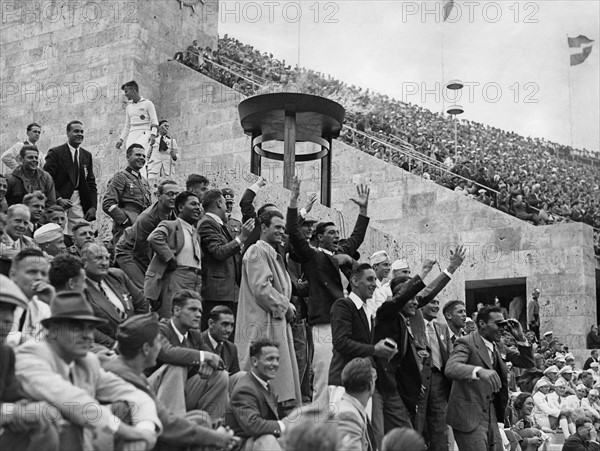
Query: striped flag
{"points": [[447, 8], [581, 48]]}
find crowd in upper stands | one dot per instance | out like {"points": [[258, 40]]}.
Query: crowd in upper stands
{"points": [[533, 179]]}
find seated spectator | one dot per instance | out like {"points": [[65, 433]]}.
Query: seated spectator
{"points": [[591, 405], [529, 433], [3, 187], [29, 177], [592, 340], [57, 215], [111, 294], [585, 437], [24, 425], [14, 239], [354, 427], [189, 376], [67, 273], [50, 239], [591, 359], [82, 235], [567, 403], [311, 428], [252, 413], [403, 439], [139, 344], [545, 413], [59, 370], [36, 202]]}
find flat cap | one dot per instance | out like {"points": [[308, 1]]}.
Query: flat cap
{"points": [[10, 293], [137, 330], [48, 233]]}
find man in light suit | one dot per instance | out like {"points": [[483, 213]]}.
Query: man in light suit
{"points": [[354, 428], [60, 370], [112, 295], [480, 386], [221, 257], [72, 169], [176, 264], [252, 413]]}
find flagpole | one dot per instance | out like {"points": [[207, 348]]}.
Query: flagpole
{"points": [[570, 94]]}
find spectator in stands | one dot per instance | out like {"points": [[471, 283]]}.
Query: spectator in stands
{"points": [[29, 177], [14, 239], [139, 344], [403, 438], [3, 188], [193, 55], [591, 359], [61, 371], [12, 158], [547, 414], [197, 184], [50, 239], [312, 429], [162, 154], [354, 428], [233, 225], [216, 339], [25, 426], [82, 234], [72, 169], [176, 264], [67, 274], [585, 439], [252, 413], [141, 122], [36, 202], [221, 254], [127, 193], [190, 376], [456, 318], [57, 215], [592, 341], [521, 422], [112, 295]]}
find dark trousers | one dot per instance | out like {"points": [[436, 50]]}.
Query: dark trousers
{"points": [[133, 269], [485, 438], [431, 413], [301, 347], [389, 412]]}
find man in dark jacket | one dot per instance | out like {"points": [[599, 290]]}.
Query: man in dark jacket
{"points": [[585, 439]]}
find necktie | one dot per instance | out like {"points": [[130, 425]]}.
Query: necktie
{"points": [[119, 309], [219, 349], [76, 168], [370, 436], [436, 358], [163, 147], [453, 339], [366, 312]]}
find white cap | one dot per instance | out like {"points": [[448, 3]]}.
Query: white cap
{"points": [[548, 333], [551, 369], [48, 233], [565, 369], [379, 257], [560, 358], [399, 265], [542, 383]]}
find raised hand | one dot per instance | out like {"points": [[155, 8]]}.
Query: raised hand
{"points": [[457, 257], [426, 268], [311, 202], [362, 200], [261, 182], [247, 229]]}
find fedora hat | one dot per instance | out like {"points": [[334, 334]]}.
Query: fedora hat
{"points": [[71, 306], [10, 293]]}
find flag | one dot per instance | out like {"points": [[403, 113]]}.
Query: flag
{"points": [[447, 8], [583, 45]]}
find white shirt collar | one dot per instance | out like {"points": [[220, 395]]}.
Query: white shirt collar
{"points": [[186, 225], [328, 252], [358, 302], [265, 384], [179, 336], [488, 344], [213, 342], [215, 217]]}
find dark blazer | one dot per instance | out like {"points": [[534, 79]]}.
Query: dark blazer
{"points": [[248, 212], [576, 443], [469, 398], [130, 296], [322, 270], [10, 387], [351, 337], [401, 374], [252, 411], [59, 163], [221, 262], [228, 353], [588, 363], [178, 431]]}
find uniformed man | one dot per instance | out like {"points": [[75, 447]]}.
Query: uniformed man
{"points": [[128, 193], [162, 154], [141, 121], [233, 225]]}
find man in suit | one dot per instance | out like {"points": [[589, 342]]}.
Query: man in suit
{"points": [[322, 267], [190, 376], [25, 426], [354, 428], [60, 370], [221, 257], [352, 327], [456, 317], [139, 345], [14, 239], [72, 169], [479, 392], [216, 339], [591, 359], [112, 295], [252, 413], [176, 264], [585, 439], [233, 225], [127, 193]]}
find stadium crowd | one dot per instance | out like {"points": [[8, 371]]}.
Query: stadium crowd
{"points": [[533, 179]]}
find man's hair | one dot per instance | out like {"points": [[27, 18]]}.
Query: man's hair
{"points": [[311, 428], [86, 248], [162, 122], [71, 124], [133, 146], [257, 346], [181, 297], [33, 124], [357, 375], [219, 310], [594, 351], [210, 198], [450, 305], [402, 438], [7, 307], [399, 280], [13, 208], [321, 226], [182, 198], [485, 312], [162, 184], [359, 270], [54, 208], [195, 179], [27, 147], [267, 216], [26, 253], [80, 225], [62, 268], [581, 420], [130, 84], [263, 207], [35, 195]]}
